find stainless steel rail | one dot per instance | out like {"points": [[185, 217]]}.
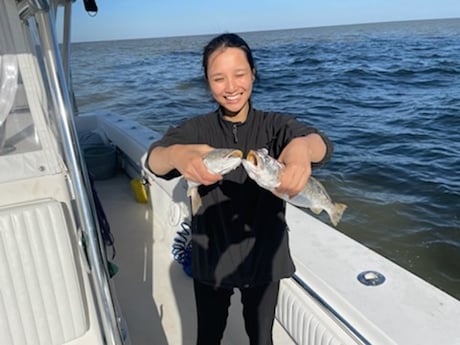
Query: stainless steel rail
{"points": [[62, 105], [347, 326]]}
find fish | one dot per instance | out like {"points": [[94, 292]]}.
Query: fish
{"points": [[218, 161], [266, 171]]}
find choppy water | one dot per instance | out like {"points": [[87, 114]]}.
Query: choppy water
{"points": [[388, 95]]}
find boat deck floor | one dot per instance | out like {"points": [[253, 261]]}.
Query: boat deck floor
{"points": [[145, 294]]}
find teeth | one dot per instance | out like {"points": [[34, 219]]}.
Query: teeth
{"points": [[232, 98]]}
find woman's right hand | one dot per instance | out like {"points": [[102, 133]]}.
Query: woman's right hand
{"points": [[187, 159]]}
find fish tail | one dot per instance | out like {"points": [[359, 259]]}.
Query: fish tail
{"points": [[336, 213]]}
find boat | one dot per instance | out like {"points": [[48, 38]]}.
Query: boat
{"points": [[87, 234]]}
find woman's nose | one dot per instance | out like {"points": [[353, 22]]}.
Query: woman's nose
{"points": [[230, 85]]}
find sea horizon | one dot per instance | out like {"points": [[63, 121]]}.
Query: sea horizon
{"points": [[276, 29]]}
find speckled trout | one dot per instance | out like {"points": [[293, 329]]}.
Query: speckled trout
{"points": [[218, 161], [265, 171]]}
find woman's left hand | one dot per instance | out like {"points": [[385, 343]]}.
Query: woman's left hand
{"points": [[293, 178], [297, 157]]}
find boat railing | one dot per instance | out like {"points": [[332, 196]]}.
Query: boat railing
{"points": [[42, 16], [352, 330]]}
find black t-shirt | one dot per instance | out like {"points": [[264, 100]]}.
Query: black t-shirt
{"points": [[240, 235]]}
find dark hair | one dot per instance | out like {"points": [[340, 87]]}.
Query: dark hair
{"points": [[226, 41]]}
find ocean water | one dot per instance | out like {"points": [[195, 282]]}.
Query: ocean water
{"points": [[387, 94]]}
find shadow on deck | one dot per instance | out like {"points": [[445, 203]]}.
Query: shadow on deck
{"points": [[158, 311]]}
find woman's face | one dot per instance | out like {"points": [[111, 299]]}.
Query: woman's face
{"points": [[230, 80]]}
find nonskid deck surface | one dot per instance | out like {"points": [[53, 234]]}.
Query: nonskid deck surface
{"points": [[147, 311]]}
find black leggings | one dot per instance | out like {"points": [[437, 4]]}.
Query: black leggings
{"points": [[259, 305]]}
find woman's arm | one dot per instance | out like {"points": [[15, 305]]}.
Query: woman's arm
{"points": [[187, 159]]}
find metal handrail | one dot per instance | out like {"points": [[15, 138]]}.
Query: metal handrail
{"points": [[347, 326], [78, 173]]}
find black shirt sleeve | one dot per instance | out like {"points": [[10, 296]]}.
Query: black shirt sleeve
{"points": [[185, 133]]}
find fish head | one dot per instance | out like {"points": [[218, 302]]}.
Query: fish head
{"points": [[263, 168], [222, 161]]}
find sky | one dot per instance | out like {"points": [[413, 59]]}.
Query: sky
{"points": [[122, 19]]}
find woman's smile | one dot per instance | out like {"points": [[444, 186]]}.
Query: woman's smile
{"points": [[230, 80]]}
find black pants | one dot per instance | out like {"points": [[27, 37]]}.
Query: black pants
{"points": [[259, 305]]}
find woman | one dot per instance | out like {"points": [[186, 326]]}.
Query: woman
{"points": [[240, 236]]}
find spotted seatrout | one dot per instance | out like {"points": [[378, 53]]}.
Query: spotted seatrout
{"points": [[218, 161], [265, 171]]}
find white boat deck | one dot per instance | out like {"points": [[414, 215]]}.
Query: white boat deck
{"points": [[156, 296], [149, 319]]}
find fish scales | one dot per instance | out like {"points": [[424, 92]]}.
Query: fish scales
{"points": [[218, 161], [266, 172]]}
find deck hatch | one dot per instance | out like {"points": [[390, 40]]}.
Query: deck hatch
{"points": [[40, 297]]}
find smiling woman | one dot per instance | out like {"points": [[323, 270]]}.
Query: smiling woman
{"points": [[239, 234]]}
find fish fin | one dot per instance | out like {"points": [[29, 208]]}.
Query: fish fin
{"points": [[195, 199], [316, 210], [337, 213]]}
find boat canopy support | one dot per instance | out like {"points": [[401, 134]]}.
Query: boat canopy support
{"points": [[47, 91], [79, 176]]}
